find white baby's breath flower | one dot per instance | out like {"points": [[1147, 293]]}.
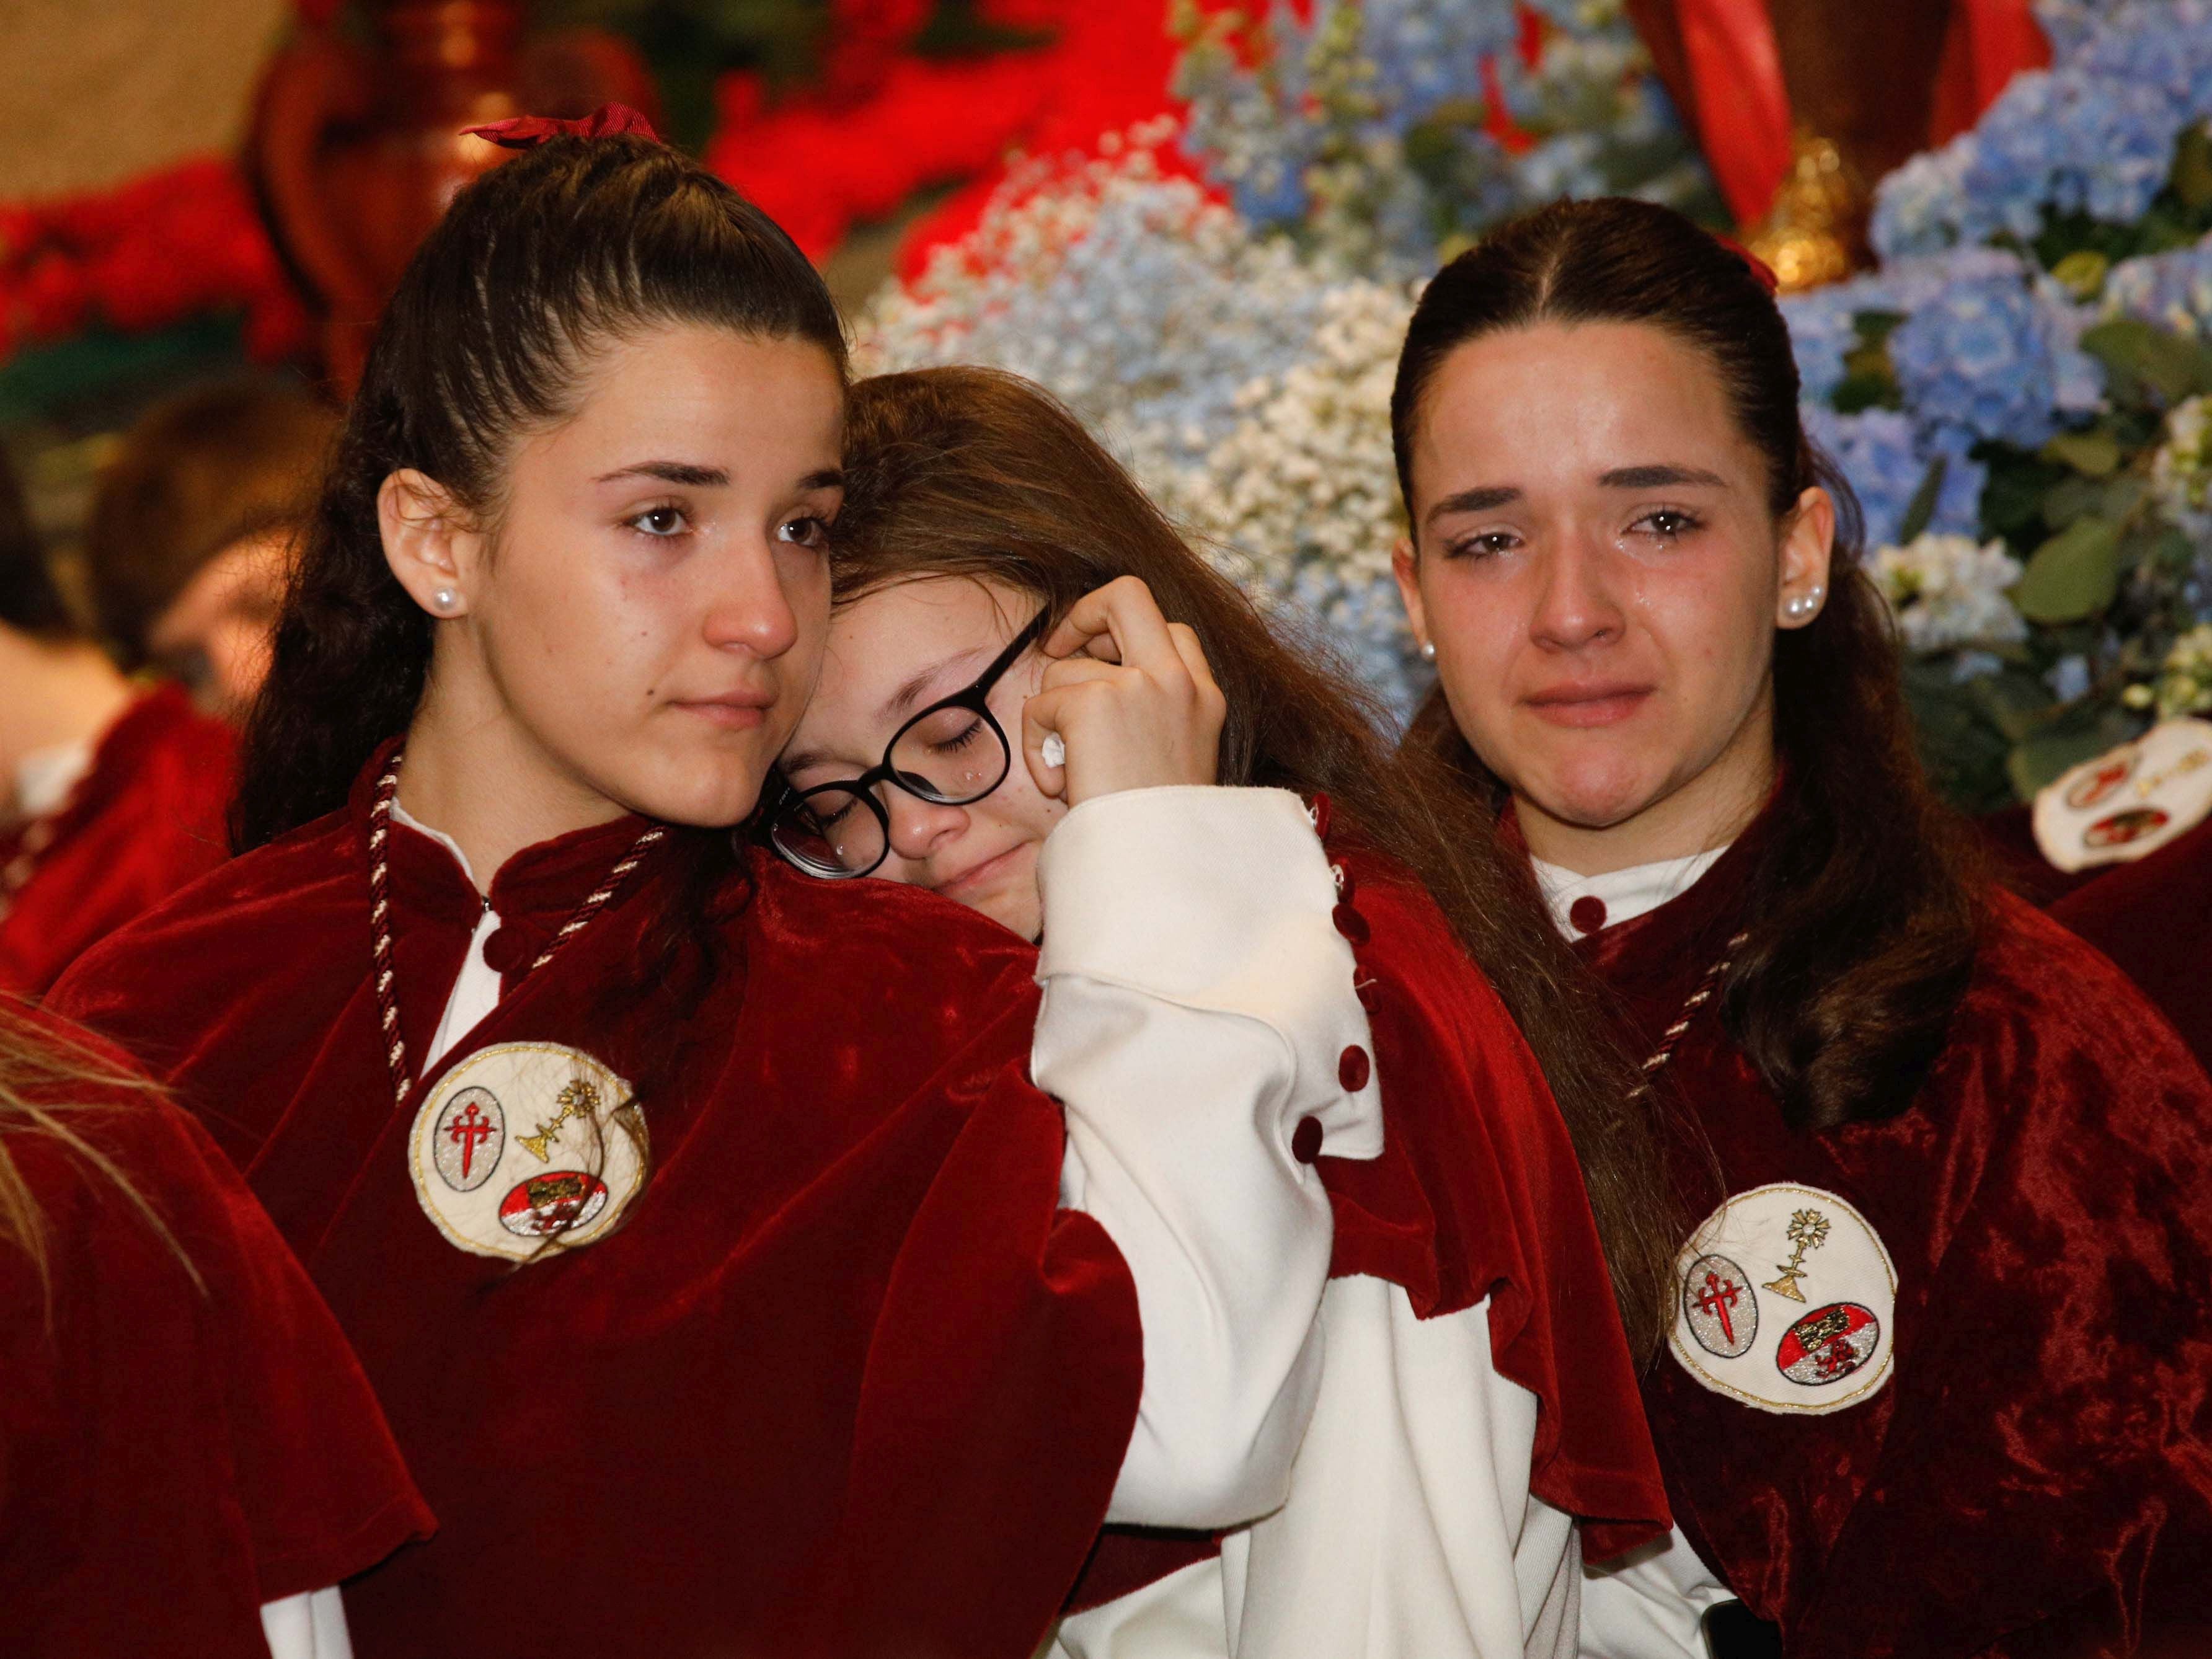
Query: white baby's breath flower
{"points": [[1248, 389], [1948, 592], [2181, 471], [2184, 685]]}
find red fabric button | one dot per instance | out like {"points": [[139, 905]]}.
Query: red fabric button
{"points": [[1305, 1140], [1349, 923], [1346, 884], [510, 948], [1365, 992], [1317, 809], [1587, 913], [1352, 1069]]}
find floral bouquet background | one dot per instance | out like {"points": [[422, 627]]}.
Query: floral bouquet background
{"points": [[2019, 393]]}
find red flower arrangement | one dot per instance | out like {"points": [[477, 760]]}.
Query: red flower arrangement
{"points": [[187, 241], [165, 247], [889, 123]]}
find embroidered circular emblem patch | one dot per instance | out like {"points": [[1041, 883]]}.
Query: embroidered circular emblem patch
{"points": [[1786, 1302], [2130, 801], [524, 1143]]}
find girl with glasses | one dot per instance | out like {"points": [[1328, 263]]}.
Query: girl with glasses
{"points": [[1939, 1377], [747, 1264], [1013, 620]]}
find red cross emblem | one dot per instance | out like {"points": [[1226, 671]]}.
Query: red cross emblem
{"points": [[467, 1130], [1716, 1298], [1719, 1312]]}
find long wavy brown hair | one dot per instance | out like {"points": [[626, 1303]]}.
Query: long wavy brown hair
{"points": [[1865, 908], [973, 472]]}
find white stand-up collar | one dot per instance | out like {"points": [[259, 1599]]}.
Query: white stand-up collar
{"points": [[45, 777], [1618, 896]]}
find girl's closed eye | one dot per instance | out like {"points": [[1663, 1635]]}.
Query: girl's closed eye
{"points": [[961, 737]]}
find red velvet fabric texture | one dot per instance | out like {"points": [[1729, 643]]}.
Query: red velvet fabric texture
{"points": [[2153, 918], [2033, 1477], [144, 822], [847, 1381], [1477, 1193], [172, 1458]]}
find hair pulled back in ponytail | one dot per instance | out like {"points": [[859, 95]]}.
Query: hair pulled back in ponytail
{"points": [[539, 266], [1865, 906]]}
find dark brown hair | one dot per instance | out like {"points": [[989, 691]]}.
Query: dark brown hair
{"points": [[198, 472], [546, 259], [30, 600], [973, 472], [1865, 904]]}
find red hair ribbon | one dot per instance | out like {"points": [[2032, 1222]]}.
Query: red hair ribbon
{"points": [[1761, 272], [524, 132]]}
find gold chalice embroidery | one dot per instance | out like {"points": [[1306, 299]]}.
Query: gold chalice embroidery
{"points": [[1807, 1231], [580, 1099]]}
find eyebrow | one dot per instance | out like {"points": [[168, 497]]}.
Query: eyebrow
{"points": [[675, 472], [710, 477], [1659, 477], [1661, 474], [910, 690], [1480, 499]]}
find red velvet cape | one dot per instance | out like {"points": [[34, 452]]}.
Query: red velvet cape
{"points": [[2154, 917], [172, 1456], [847, 1381], [2033, 1477], [1477, 1193], [146, 820]]}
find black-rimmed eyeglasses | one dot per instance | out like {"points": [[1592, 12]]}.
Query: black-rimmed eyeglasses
{"points": [[953, 753]]}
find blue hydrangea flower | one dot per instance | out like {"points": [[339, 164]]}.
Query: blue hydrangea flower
{"points": [[2173, 290], [1885, 460], [2093, 134], [1822, 330], [1427, 54], [1978, 355]]}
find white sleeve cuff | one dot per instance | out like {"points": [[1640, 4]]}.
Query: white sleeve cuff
{"points": [[1199, 1005], [1223, 900], [309, 1625]]}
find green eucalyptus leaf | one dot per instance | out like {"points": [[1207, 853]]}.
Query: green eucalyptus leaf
{"points": [[1874, 328], [2082, 273], [2121, 497], [2095, 451], [2036, 760], [2136, 354], [2072, 497], [1922, 507], [2192, 169], [1856, 394], [2014, 699], [2073, 576], [2121, 342]]}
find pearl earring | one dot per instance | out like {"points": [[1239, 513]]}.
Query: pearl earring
{"points": [[1428, 651], [445, 600]]}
